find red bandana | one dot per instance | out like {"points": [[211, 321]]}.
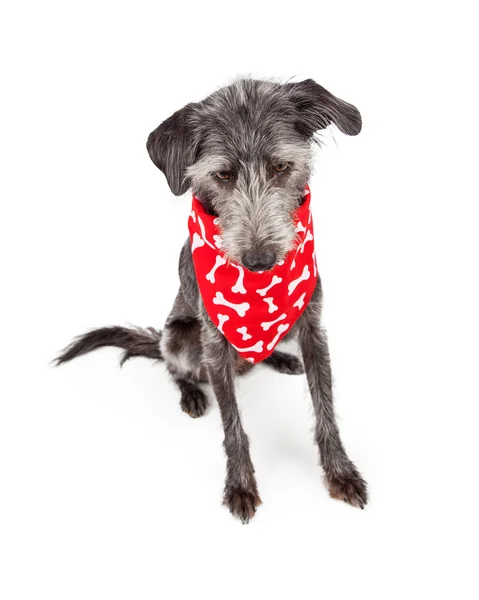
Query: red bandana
{"points": [[253, 310]]}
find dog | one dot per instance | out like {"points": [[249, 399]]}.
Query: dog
{"points": [[246, 153]]}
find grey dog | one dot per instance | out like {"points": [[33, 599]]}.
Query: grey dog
{"points": [[246, 153]]}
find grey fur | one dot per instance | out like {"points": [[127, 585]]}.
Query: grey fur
{"points": [[246, 131]]}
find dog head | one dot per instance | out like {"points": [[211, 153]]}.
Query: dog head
{"points": [[246, 152]]}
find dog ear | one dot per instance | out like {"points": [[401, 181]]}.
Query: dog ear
{"points": [[172, 148], [317, 108]]}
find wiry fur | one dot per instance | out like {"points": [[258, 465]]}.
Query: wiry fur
{"points": [[244, 129], [135, 342]]}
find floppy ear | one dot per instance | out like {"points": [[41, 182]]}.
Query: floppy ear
{"points": [[172, 148], [316, 108]]}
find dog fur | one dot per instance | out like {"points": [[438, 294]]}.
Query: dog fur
{"points": [[246, 153]]}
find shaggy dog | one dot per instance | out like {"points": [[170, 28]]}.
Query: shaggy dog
{"points": [[246, 153]]}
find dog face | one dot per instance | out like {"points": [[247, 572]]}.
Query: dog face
{"points": [[246, 153]]}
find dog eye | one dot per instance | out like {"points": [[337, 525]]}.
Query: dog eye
{"points": [[280, 167], [223, 175]]}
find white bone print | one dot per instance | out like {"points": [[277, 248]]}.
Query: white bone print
{"points": [[271, 304], [300, 301], [239, 308], [203, 232], [267, 324], [238, 287], [258, 347], [274, 281], [303, 277], [218, 241], [308, 238], [222, 320], [220, 260], [300, 227], [197, 242], [314, 264], [281, 329], [250, 359], [293, 264], [244, 333], [281, 262], [193, 216]]}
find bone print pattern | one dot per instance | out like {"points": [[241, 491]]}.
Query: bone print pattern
{"points": [[271, 305], [253, 310], [281, 329], [308, 238], [244, 333], [238, 287], [300, 228], [197, 242], [274, 281], [267, 324], [303, 277], [239, 308], [258, 347], [203, 232], [220, 260], [300, 301], [221, 321]]}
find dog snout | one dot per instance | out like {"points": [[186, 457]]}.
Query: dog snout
{"points": [[255, 260]]}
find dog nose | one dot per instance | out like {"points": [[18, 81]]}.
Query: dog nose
{"points": [[254, 260]]}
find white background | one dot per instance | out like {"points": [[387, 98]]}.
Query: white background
{"points": [[108, 490]]}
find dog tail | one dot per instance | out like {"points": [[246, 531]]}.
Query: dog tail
{"points": [[135, 341]]}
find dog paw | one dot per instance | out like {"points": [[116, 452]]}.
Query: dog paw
{"points": [[291, 365], [194, 402], [283, 362], [351, 488], [242, 503]]}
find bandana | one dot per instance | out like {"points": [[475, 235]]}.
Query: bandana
{"points": [[253, 310]]}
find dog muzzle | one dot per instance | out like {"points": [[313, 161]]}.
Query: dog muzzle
{"points": [[253, 310]]}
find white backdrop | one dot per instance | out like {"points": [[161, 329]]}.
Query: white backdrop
{"points": [[108, 490]]}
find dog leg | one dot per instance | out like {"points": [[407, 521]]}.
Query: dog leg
{"points": [[283, 362], [241, 493], [344, 480], [181, 349]]}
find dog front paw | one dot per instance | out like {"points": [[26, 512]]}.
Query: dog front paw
{"points": [[284, 362], [194, 402], [242, 503], [291, 365], [350, 487]]}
